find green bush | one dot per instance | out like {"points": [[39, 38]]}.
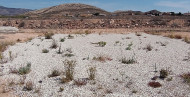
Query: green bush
{"points": [[101, 43], [25, 70], [45, 51]]}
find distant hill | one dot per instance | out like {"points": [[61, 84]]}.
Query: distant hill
{"points": [[12, 11], [67, 10]]}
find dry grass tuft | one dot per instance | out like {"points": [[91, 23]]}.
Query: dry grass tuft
{"points": [[102, 58]]}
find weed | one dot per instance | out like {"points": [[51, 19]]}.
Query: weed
{"points": [[102, 58], [80, 82], [134, 91], [18, 40], [45, 50], [128, 61], [169, 79], [48, 35], [154, 84], [54, 73], [186, 39], [178, 36], [61, 89], [101, 43], [54, 45], [62, 39], [69, 69], [68, 55], [87, 32], [163, 73], [148, 47], [59, 51], [186, 77], [138, 34], [92, 73], [28, 86], [170, 36], [129, 46], [70, 36], [25, 70]]}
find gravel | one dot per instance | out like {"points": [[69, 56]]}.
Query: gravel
{"points": [[8, 29], [113, 78]]}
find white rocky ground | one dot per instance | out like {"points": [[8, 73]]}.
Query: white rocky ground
{"points": [[8, 29], [113, 78]]}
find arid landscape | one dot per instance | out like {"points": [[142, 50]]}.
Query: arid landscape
{"points": [[79, 50]]}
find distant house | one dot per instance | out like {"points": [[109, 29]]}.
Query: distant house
{"points": [[154, 13]]}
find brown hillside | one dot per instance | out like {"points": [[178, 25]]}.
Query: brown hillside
{"points": [[67, 10]]}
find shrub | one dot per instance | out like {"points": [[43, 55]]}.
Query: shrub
{"points": [[69, 69], [154, 84], [148, 47], [68, 55], [48, 35], [178, 37], [102, 58], [138, 34], [186, 39], [25, 70], [45, 50], [92, 72], [128, 61], [70, 36], [80, 82], [101, 43], [54, 45], [59, 51], [28, 87], [61, 89], [163, 73], [62, 39], [170, 36], [54, 73], [186, 77], [129, 46]]}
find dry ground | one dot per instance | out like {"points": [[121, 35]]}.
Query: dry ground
{"points": [[26, 34]]}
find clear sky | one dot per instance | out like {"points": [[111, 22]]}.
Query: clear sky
{"points": [[109, 5]]}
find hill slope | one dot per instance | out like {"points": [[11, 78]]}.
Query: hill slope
{"points": [[12, 11], [66, 10]]}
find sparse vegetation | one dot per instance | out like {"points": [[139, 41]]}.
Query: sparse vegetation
{"points": [[80, 82], [48, 35], [69, 70], [92, 73], [61, 89], [154, 84], [54, 44], [186, 78], [45, 50], [25, 70], [186, 39], [138, 34], [101, 43], [68, 55], [177, 36], [163, 73], [148, 47], [62, 39], [70, 36], [128, 61], [102, 58], [59, 51], [129, 46], [28, 86], [54, 73]]}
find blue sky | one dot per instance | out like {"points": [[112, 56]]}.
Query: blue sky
{"points": [[109, 5]]}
